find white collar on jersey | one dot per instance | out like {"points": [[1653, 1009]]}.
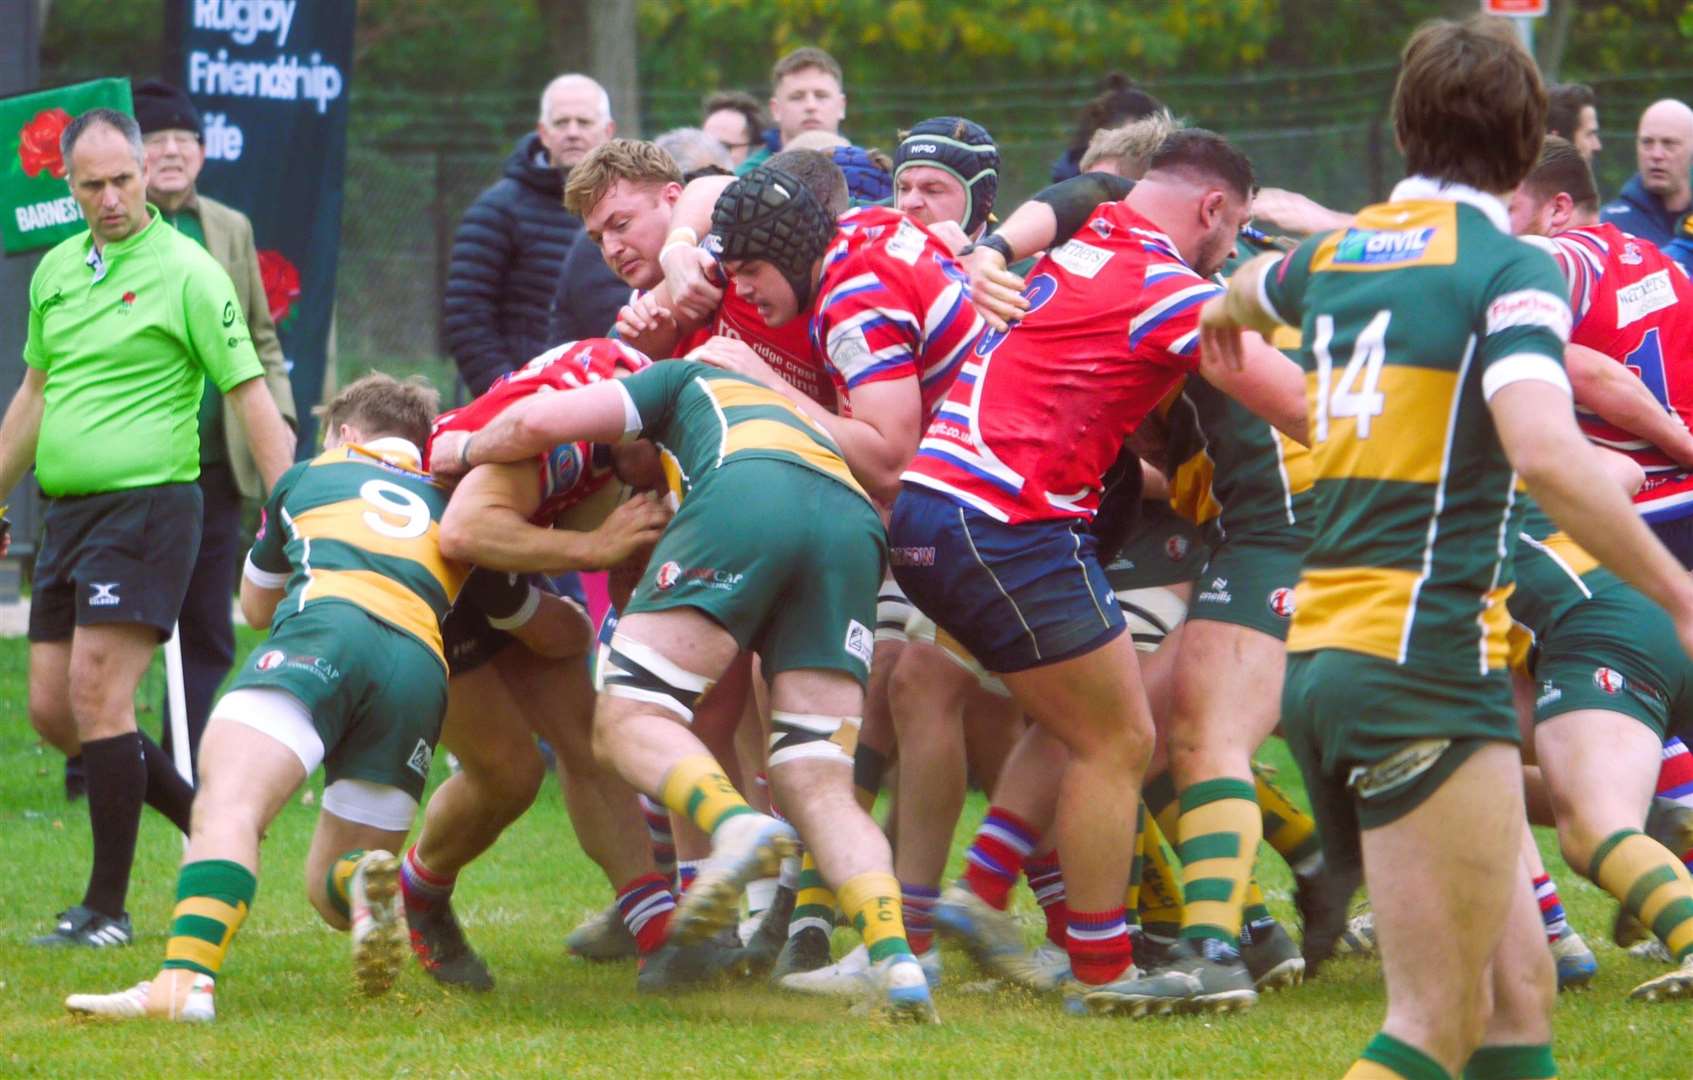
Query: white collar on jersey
{"points": [[1426, 187], [393, 444]]}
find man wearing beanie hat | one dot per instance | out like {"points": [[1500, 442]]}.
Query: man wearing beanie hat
{"points": [[947, 170], [171, 135]]}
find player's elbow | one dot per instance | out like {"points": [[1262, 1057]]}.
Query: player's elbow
{"points": [[458, 534]]}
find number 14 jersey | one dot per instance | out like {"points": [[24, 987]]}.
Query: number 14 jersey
{"points": [[1412, 319]]}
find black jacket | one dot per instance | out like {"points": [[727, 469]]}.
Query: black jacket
{"points": [[588, 295], [505, 263]]}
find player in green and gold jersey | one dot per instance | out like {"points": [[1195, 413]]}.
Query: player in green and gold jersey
{"points": [[348, 573], [775, 548], [1433, 343]]}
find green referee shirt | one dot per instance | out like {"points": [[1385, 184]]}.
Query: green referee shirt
{"points": [[126, 337]]}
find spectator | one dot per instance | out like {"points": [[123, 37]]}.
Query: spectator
{"points": [[805, 95], [108, 414], [172, 137], [1573, 112], [736, 119], [696, 152], [1118, 102], [511, 246], [1661, 191]]}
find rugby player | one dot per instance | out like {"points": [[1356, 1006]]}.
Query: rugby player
{"points": [[348, 573], [1453, 336], [988, 538], [776, 548], [502, 517]]}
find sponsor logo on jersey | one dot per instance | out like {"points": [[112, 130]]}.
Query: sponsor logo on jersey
{"points": [[1083, 260], [105, 594], [1652, 293], [1101, 228], [668, 575], [1376, 247], [1609, 680], [906, 244], [1630, 254], [1281, 602], [859, 640], [421, 756], [271, 660], [228, 312], [911, 556], [564, 468], [1549, 694], [1529, 307], [1177, 547]]}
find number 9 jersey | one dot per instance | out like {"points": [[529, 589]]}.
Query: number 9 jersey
{"points": [[359, 525], [1412, 319]]}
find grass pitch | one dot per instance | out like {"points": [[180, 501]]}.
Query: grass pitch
{"points": [[287, 1006]]}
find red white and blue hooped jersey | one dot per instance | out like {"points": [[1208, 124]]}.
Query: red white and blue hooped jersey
{"points": [[892, 304], [570, 472], [1635, 305], [786, 348], [1039, 413]]}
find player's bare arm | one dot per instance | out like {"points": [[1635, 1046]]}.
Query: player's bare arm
{"points": [[1619, 397], [1565, 473], [690, 271], [1224, 320], [488, 523], [532, 426], [21, 428], [258, 603], [1267, 382]]}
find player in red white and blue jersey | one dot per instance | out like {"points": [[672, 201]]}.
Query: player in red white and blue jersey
{"points": [[889, 310], [990, 534], [1633, 305]]}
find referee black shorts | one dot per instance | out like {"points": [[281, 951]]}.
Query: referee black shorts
{"points": [[116, 557]]}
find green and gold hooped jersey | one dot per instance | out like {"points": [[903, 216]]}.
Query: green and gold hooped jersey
{"points": [[1412, 319], [361, 525], [703, 417], [1234, 475]]}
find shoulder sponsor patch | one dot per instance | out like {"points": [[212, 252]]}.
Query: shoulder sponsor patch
{"points": [[1652, 293], [906, 244], [1379, 247], [1529, 307], [1083, 260]]}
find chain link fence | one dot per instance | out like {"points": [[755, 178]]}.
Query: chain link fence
{"points": [[415, 162]]}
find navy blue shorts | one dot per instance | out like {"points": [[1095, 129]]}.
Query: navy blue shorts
{"points": [[1016, 596]]}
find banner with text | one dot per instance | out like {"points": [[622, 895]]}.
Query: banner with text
{"points": [[270, 78], [36, 207]]}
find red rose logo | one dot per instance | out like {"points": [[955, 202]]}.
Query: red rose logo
{"points": [[282, 284], [38, 143]]}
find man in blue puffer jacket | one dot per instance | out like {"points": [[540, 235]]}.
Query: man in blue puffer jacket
{"points": [[511, 243]]}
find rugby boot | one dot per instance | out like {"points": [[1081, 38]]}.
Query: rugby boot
{"points": [[1576, 963], [438, 942], [1672, 984], [807, 950], [1134, 994], [905, 992], [83, 927], [1152, 953], [1046, 968], [991, 937], [854, 975], [135, 1003], [745, 847], [1271, 957], [602, 937], [378, 921], [1225, 985], [1359, 937], [1322, 900], [1651, 949], [675, 966], [767, 941]]}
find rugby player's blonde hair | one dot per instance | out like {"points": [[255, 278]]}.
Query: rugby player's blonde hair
{"points": [[634, 160], [1130, 146]]}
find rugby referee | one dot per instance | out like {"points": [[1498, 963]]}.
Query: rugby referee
{"points": [[126, 322]]}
